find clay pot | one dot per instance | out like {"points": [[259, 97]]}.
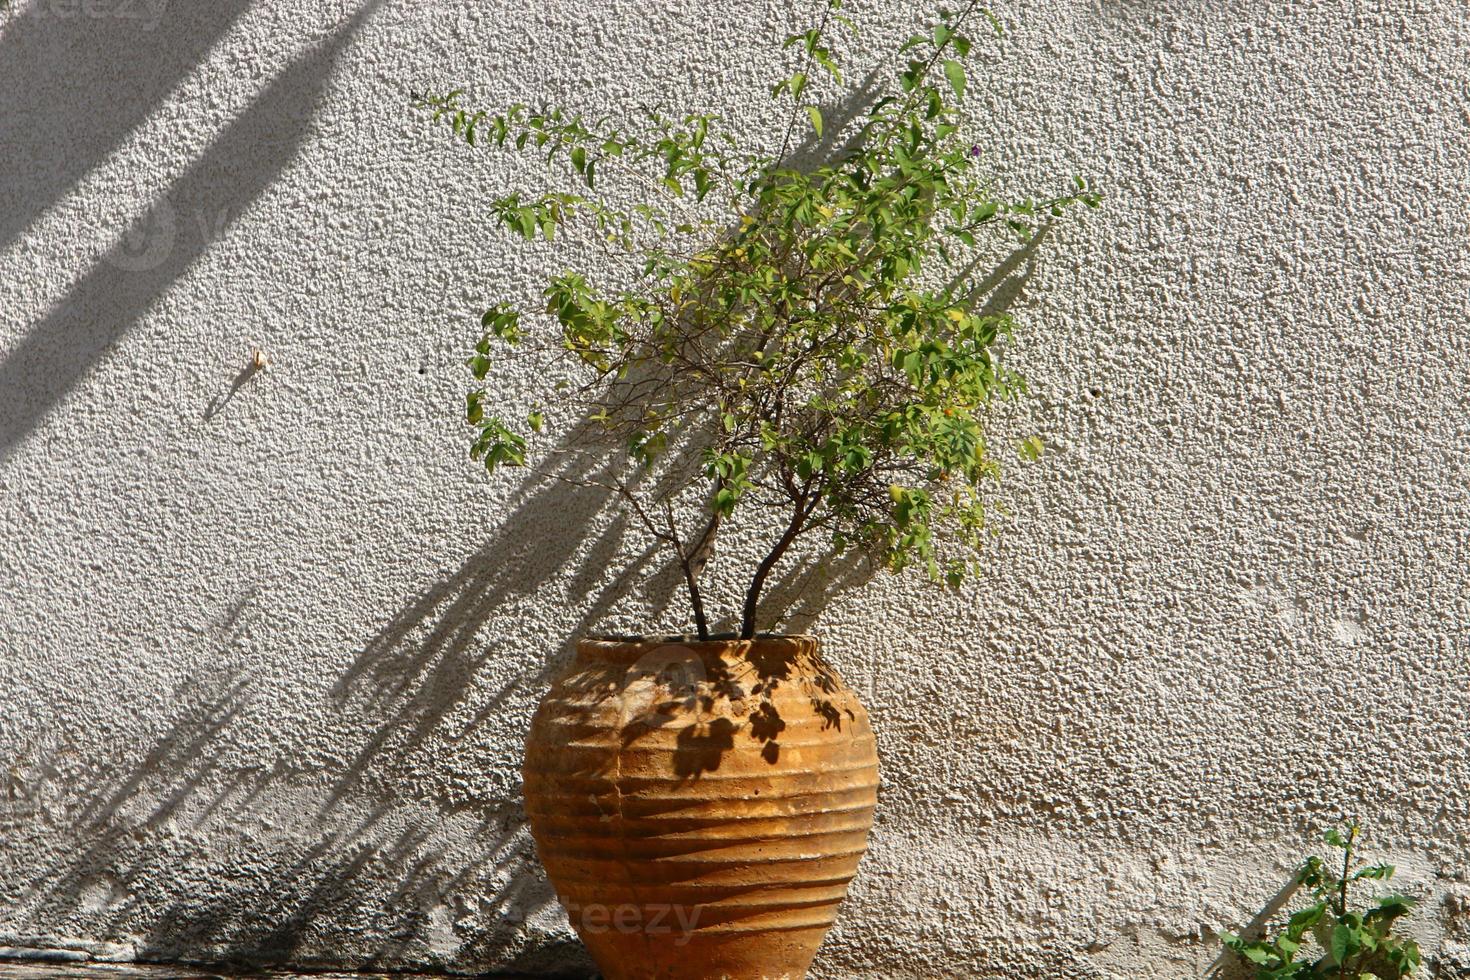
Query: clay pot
{"points": [[701, 806]]}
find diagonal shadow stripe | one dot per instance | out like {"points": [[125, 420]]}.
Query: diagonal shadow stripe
{"points": [[75, 79], [236, 169]]}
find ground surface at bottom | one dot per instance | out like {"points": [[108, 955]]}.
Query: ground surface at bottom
{"points": [[25, 970]]}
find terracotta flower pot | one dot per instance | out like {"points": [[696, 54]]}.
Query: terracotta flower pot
{"points": [[701, 806]]}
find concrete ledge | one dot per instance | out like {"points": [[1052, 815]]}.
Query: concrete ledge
{"points": [[48, 969]]}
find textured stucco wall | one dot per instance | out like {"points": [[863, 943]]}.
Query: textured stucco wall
{"points": [[268, 645]]}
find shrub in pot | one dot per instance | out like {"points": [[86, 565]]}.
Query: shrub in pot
{"points": [[791, 355]]}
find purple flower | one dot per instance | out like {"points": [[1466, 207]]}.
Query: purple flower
{"points": [[975, 150]]}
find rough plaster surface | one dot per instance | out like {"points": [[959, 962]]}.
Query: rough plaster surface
{"points": [[268, 644]]}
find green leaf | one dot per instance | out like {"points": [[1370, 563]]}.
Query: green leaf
{"points": [[1255, 954], [824, 58], [955, 72], [498, 446], [535, 420], [1303, 920], [1378, 872], [1343, 943], [815, 115]]}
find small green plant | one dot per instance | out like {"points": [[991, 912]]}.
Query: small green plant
{"points": [[1329, 939], [789, 347]]}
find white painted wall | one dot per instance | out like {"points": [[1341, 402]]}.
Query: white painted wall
{"points": [[268, 646]]}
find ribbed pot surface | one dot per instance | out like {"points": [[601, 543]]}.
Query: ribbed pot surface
{"points": [[701, 806]]}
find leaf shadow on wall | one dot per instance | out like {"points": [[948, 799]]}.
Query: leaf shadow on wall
{"points": [[416, 669], [358, 859], [188, 851], [145, 867], [419, 681]]}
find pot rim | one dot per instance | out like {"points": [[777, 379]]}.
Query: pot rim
{"points": [[689, 638], [625, 648]]}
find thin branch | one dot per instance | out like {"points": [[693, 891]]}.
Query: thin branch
{"points": [[796, 109], [691, 576], [805, 505]]}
